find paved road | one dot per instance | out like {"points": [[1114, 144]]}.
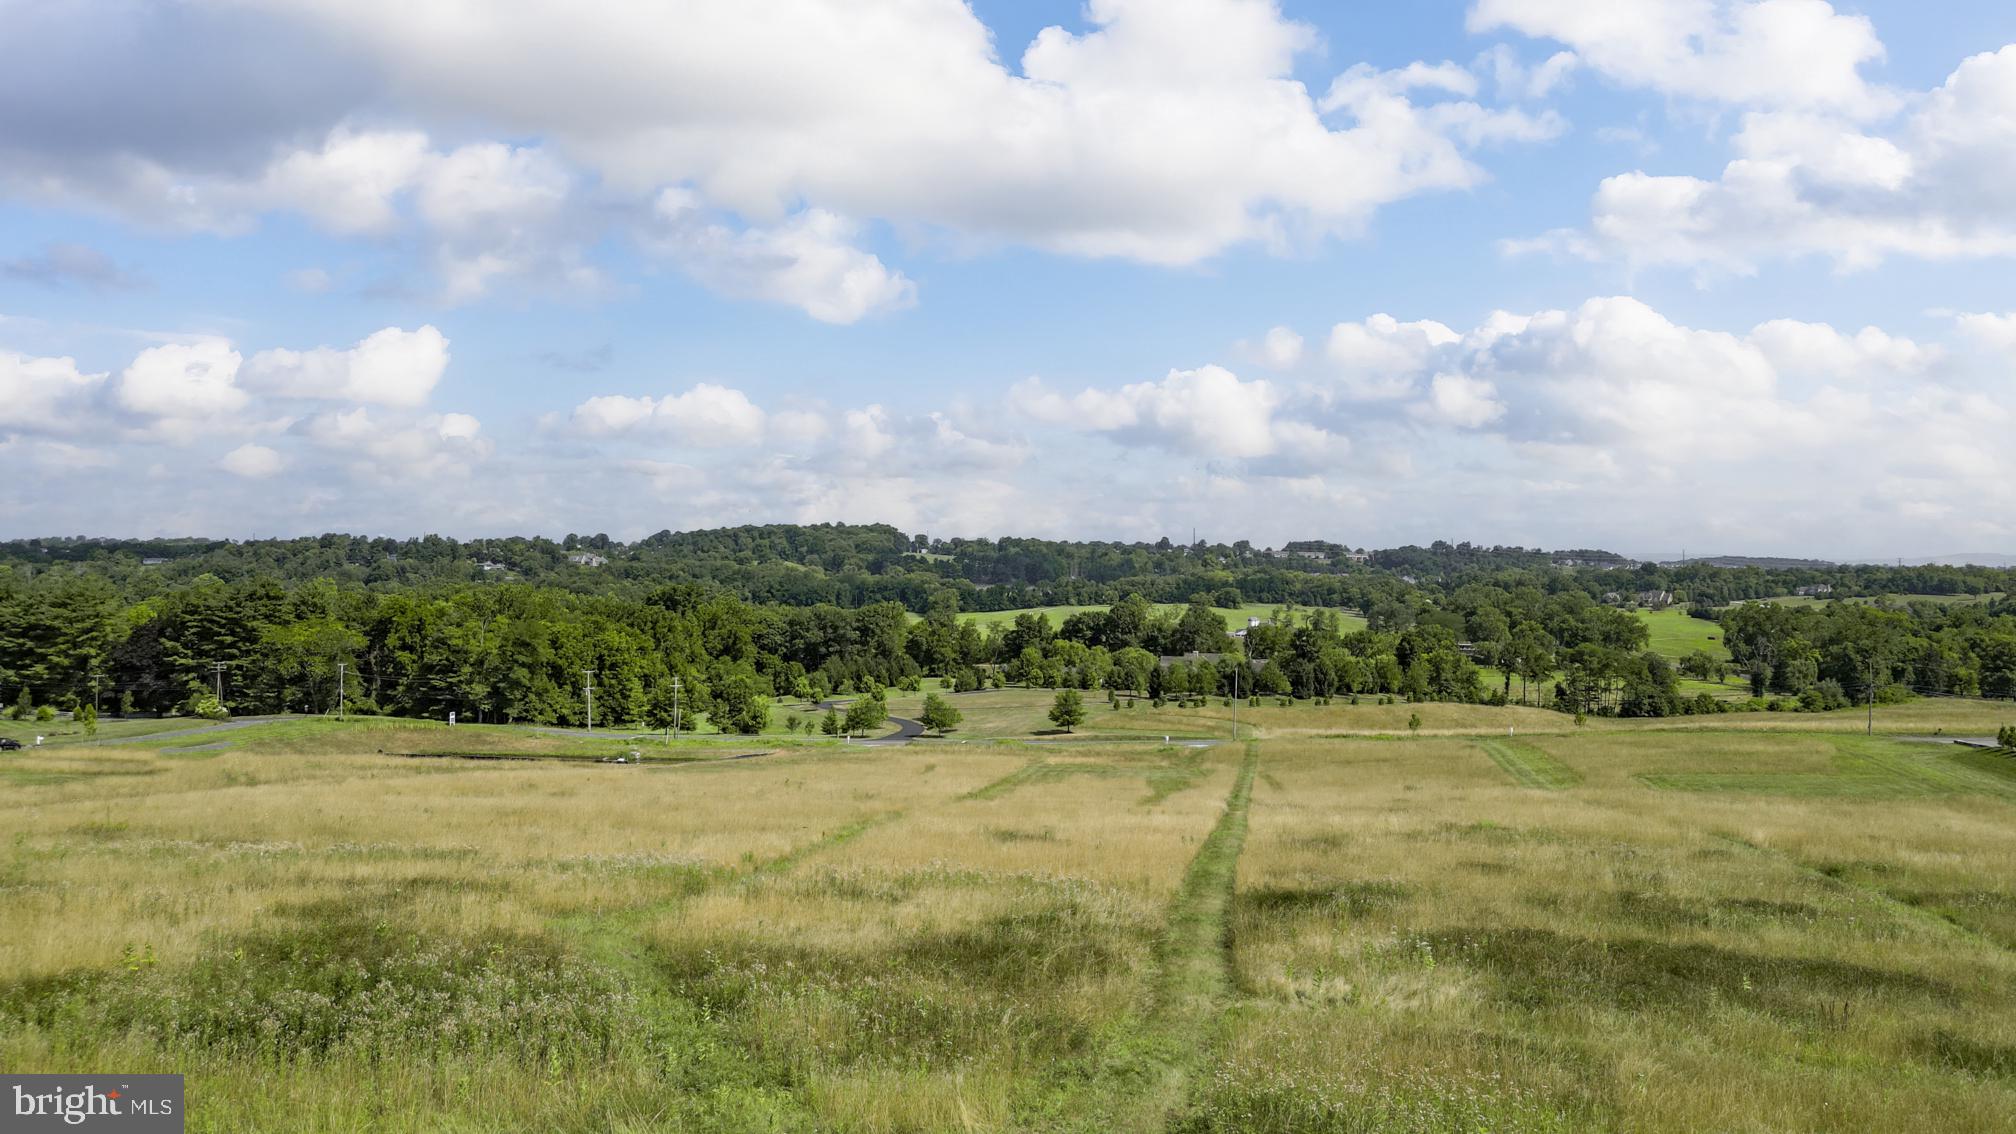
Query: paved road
{"points": [[1971, 741], [151, 737], [906, 730]]}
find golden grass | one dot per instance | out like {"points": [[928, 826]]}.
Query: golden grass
{"points": [[976, 937], [1414, 927]]}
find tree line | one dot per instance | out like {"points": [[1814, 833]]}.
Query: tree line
{"points": [[298, 625]]}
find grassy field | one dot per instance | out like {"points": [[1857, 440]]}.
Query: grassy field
{"points": [[65, 731], [1959, 600], [1676, 635], [1753, 923], [1235, 619]]}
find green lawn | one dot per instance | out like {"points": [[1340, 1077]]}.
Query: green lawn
{"points": [[1235, 619], [1676, 635]]}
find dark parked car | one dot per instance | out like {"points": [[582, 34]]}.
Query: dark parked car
{"points": [[9, 744]]}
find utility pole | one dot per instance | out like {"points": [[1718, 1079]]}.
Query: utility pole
{"points": [[94, 693], [339, 690], [219, 667], [1871, 729], [675, 708], [589, 676], [1235, 697]]}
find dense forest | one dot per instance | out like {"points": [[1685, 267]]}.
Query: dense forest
{"points": [[515, 629]]}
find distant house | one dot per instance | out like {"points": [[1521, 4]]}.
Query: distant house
{"points": [[1320, 550], [1815, 590], [1655, 598], [1612, 598], [1358, 557], [585, 559], [152, 561], [492, 565]]}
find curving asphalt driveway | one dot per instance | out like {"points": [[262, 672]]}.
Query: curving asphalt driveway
{"points": [[907, 730]]}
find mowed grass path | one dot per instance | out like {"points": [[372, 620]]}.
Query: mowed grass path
{"points": [[1300, 933], [1530, 766]]}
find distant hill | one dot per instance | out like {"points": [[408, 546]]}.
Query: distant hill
{"points": [[1766, 562], [1968, 559]]}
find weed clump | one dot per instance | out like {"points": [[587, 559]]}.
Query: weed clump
{"points": [[348, 988]]}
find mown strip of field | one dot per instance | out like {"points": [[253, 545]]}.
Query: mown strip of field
{"points": [[1530, 766]]}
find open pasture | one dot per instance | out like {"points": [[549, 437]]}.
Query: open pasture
{"points": [[1675, 634], [1563, 929], [1235, 618], [1944, 600]]}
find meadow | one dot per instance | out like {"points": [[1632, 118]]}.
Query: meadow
{"points": [[1332, 923], [1235, 617]]}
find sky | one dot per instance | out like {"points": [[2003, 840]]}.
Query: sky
{"points": [[1727, 276]]}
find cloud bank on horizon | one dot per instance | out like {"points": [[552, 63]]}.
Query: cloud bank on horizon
{"points": [[1732, 274]]}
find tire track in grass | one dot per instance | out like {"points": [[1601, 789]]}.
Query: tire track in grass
{"points": [[1143, 1077], [610, 937], [1033, 770], [692, 1047]]}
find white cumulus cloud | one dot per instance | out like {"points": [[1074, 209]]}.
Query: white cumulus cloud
{"points": [[252, 461], [44, 395], [1777, 53], [189, 381], [707, 415], [391, 367], [1933, 184]]}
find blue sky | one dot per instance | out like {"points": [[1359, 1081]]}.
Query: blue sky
{"points": [[1732, 275]]}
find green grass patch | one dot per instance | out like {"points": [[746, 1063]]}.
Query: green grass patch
{"points": [[1863, 768], [1675, 634], [1235, 618], [1166, 772], [1529, 765]]}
